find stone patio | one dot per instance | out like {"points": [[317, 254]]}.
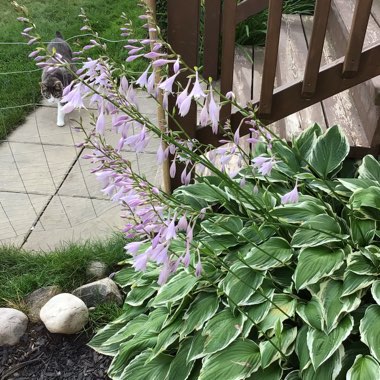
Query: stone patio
{"points": [[48, 197]]}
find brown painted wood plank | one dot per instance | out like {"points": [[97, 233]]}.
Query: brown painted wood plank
{"points": [[321, 14], [340, 109], [270, 56], [183, 36], [356, 38], [248, 8], [213, 12], [228, 52], [242, 75]]}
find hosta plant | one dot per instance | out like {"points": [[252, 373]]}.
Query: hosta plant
{"points": [[264, 269], [290, 283]]}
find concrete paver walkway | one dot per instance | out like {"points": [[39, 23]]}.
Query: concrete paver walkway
{"points": [[47, 194]]}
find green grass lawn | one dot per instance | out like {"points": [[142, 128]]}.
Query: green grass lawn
{"points": [[22, 272], [50, 16]]}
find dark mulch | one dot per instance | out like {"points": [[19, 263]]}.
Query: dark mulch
{"points": [[42, 355]]}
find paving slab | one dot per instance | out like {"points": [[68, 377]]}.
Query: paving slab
{"points": [[81, 182], [18, 212], [34, 168], [74, 219]]}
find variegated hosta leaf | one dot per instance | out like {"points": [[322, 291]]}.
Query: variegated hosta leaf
{"points": [[370, 330], [236, 362], [273, 372], [282, 308], [294, 375], [221, 330], [298, 213], [330, 369], [364, 368], [200, 311], [274, 253], [316, 263], [138, 294], [139, 369], [255, 314], [241, 283], [266, 292], [129, 350], [277, 346], [196, 348], [322, 346], [362, 231], [312, 313], [375, 290], [334, 305], [179, 367], [359, 264], [316, 231], [370, 169], [354, 282], [301, 349], [367, 202], [178, 287], [329, 151]]}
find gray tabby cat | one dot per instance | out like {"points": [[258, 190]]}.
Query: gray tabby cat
{"points": [[56, 79]]}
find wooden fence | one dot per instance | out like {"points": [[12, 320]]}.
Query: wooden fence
{"points": [[317, 84]]}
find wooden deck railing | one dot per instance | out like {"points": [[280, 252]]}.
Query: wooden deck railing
{"points": [[317, 84]]}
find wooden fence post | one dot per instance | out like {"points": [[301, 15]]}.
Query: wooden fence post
{"points": [[183, 36]]}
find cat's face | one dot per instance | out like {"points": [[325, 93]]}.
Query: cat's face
{"points": [[52, 90]]}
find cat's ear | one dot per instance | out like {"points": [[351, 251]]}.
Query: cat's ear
{"points": [[58, 86]]}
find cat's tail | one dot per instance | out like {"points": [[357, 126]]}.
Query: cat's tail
{"points": [[58, 35]]}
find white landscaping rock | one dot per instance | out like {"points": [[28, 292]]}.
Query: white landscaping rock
{"points": [[64, 314], [96, 270], [13, 324], [99, 292]]}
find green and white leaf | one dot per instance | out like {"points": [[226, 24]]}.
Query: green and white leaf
{"points": [[275, 252], [375, 291], [312, 313], [175, 289], [222, 330], [301, 349], [359, 264], [236, 362], [298, 213], [255, 314], [200, 311], [223, 225], [367, 201], [370, 330], [370, 169], [139, 369], [362, 231], [315, 264], [329, 151], [241, 283], [196, 348], [335, 306], [273, 372], [318, 230], [306, 140], [364, 368], [283, 307], [322, 346], [139, 294], [272, 349], [179, 367], [330, 369], [354, 282]]}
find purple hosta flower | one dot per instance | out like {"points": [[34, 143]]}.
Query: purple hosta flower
{"points": [[167, 84], [230, 95], [182, 223], [176, 66], [197, 91], [291, 196], [255, 137], [162, 154], [172, 169], [86, 27], [142, 81], [151, 83], [198, 268], [161, 62], [34, 53], [140, 262], [185, 106], [237, 136], [204, 116], [100, 123], [213, 111], [135, 50], [165, 273], [185, 176], [73, 98], [138, 141], [154, 55], [264, 164], [33, 40], [183, 95], [157, 46], [133, 57], [22, 19]]}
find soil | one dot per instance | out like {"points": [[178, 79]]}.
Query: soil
{"points": [[42, 355]]}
